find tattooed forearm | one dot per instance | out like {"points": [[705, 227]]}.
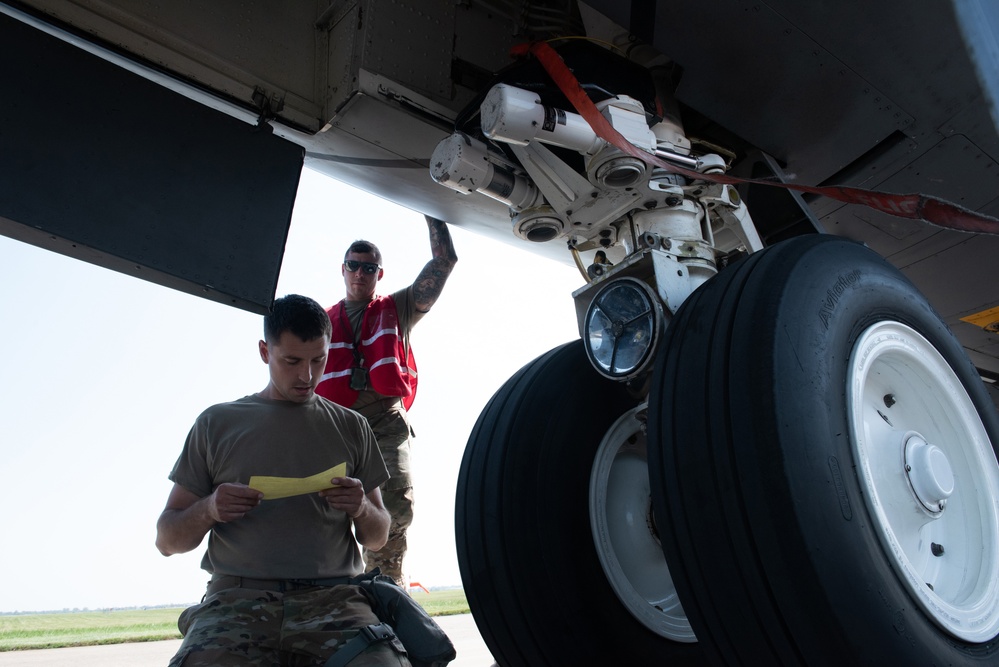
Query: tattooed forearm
{"points": [[430, 283], [440, 240]]}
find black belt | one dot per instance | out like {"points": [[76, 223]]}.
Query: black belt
{"points": [[222, 581]]}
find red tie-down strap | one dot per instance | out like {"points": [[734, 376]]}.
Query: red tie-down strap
{"points": [[915, 207]]}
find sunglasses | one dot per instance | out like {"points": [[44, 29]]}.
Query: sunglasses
{"points": [[368, 267]]}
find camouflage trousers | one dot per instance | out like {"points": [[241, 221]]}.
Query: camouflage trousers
{"points": [[241, 626], [399, 503], [392, 432]]}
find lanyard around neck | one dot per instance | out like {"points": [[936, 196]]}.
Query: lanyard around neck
{"points": [[351, 333]]}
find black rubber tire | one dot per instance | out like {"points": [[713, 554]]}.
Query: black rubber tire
{"points": [[528, 565], [767, 536]]}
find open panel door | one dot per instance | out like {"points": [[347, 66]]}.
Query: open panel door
{"points": [[103, 165]]}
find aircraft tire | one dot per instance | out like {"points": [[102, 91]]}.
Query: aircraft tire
{"points": [[525, 550], [790, 387]]}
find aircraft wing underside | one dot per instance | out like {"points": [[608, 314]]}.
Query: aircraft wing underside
{"points": [[165, 140]]}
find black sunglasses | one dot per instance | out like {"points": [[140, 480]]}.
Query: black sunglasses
{"points": [[368, 267]]}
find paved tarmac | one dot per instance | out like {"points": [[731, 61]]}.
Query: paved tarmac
{"points": [[472, 651]]}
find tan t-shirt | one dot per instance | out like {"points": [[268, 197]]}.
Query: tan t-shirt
{"points": [[300, 537]]}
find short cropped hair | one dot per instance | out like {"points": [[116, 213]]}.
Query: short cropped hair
{"points": [[298, 314], [363, 247]]}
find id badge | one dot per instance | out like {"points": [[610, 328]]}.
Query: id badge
{"points": [[358, 379]]}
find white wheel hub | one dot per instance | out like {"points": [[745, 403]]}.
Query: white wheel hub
{"points": [[929, 472], [624, 531], [929, 476]]}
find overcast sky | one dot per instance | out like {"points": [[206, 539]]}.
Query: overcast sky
{"points": [[103, 375]]}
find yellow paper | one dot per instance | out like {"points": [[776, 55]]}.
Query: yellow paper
{"points": [[283, 487]]}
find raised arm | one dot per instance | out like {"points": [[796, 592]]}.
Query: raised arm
{"points": [[429, 284]]}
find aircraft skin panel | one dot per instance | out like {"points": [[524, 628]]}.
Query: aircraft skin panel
{"points": [[949, 276], [784, 72], [931, 173], [979, 21], [427, 67], [231, 47], [834, 78]]}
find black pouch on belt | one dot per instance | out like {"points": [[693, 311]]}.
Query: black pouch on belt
{"points": [[425, 641]]}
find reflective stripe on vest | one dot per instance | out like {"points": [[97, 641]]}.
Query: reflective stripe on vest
{"points": [[381, 348]]}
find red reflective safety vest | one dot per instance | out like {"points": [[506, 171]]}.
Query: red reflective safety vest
{"points": [[381, 348]]}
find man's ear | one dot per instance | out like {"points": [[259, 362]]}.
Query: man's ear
{"points": [[381, 272], [264, 352]]}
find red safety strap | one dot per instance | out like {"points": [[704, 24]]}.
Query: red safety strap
{"points": [[915, 207]]}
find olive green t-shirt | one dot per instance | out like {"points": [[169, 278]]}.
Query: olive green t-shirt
{"points": [[299, 537]]}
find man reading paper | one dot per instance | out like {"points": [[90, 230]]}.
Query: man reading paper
{"points": [[278, 591]]}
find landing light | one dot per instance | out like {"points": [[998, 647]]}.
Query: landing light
{"points": [[621, 328]]}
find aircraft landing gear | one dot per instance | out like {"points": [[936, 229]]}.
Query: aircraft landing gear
{"points": [[625, 533], [528, 560], [821, 459], [814, 412]]}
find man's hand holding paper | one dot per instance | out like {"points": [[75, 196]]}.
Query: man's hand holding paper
{"points": [[347, 495]]}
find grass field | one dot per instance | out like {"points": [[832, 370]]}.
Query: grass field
{"points": [[29, 631]]}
